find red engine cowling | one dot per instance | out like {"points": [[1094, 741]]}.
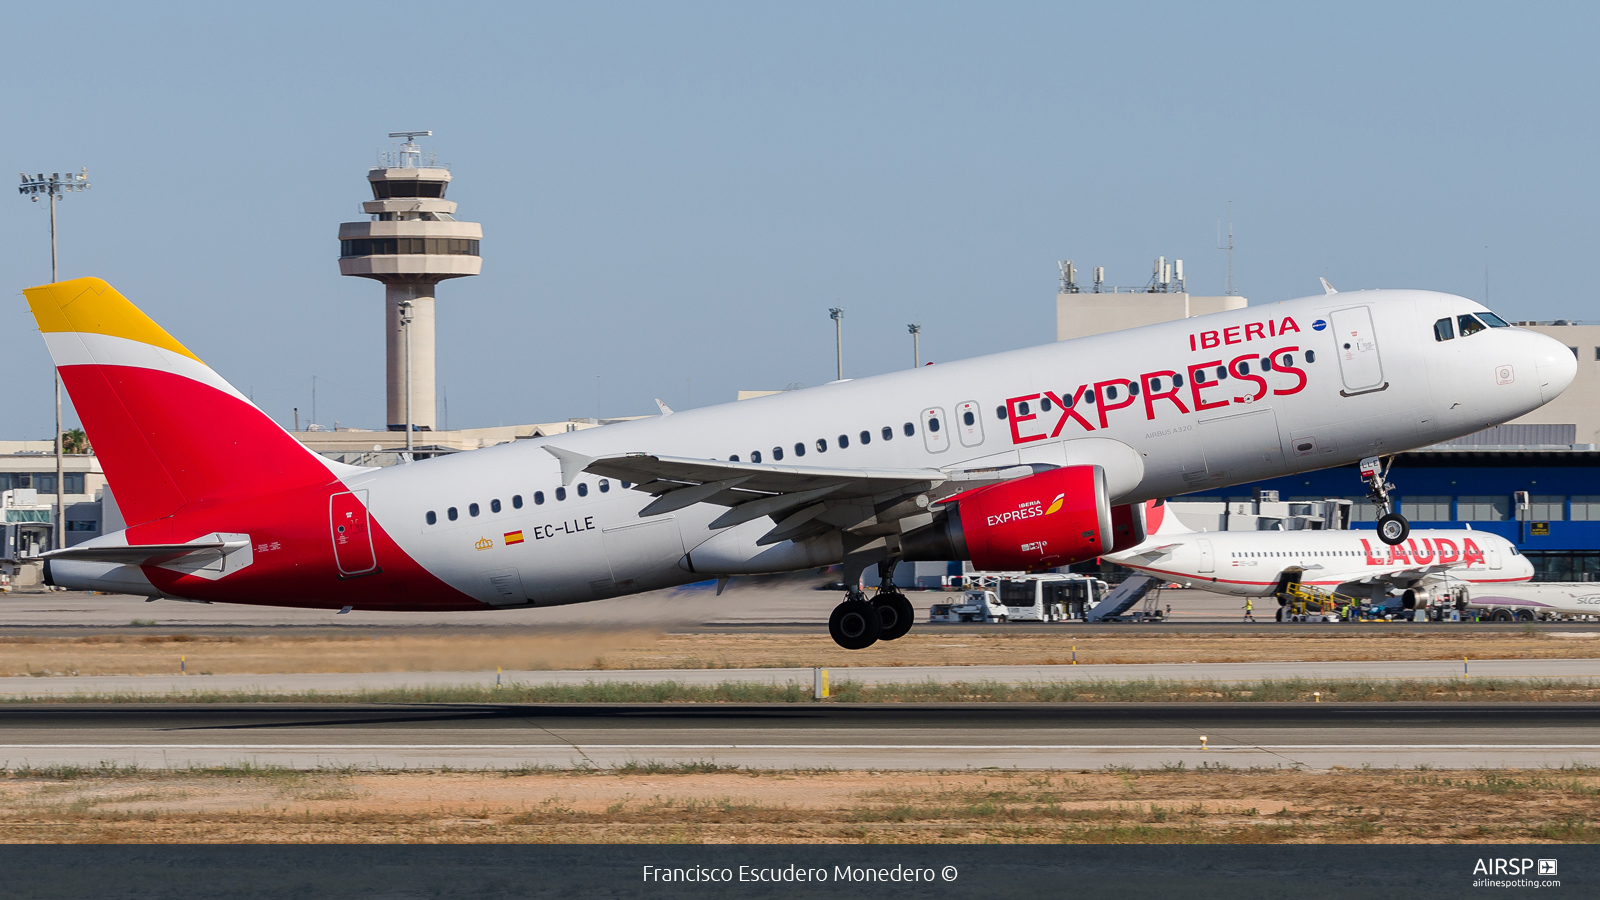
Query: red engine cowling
{"points": [[1128, 527], [1042, 521]]}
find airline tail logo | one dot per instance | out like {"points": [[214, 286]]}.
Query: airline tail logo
{"points": [[1056, 504]]}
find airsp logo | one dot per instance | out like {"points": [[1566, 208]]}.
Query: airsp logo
{"points": [[1547, 867], [1500, 866]]}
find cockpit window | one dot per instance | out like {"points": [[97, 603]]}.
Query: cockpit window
{"points": [[1444, 330], [1493, 321], [1469, 325]]}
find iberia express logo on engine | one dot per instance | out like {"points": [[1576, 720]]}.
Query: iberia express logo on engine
{"points": [[1027, 509]]}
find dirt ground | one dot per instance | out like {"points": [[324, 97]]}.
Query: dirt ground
{"points": [[421, 651], [645, 803]]}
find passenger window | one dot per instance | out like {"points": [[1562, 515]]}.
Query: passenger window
{"points": [[1469, 325], [1443, 330], [755, 456], [1111, 392], [516, 501], [933, 424], [1044, 404], [844, 441], [1288, 360], [1133, 389], [966, 417], [450, 513], [1199, 376], [626, 485], [1155, 384], [910, 429], [822, 445], [1222, 373], [538, 498], [1177, 381], [1244, 368], [999, 412], [1089, 397], [888, 433], [1022, 408], [733, 458], [583, 489], [799, 449], [604, 485], [433, 518], [777, 453], [472, 509], [561, 493], [494, 505], [1266, 364], [1494, 321], [866, 438], [1311, 356]]}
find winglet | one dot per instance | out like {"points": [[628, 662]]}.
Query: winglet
{"points": [[665, 409], [1328, 288], [572, 464]]}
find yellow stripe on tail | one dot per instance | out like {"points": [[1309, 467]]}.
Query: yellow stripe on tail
{"points": [[89, 305]]}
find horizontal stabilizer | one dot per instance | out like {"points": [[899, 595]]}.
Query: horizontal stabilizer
{"points": [[144, 554]]}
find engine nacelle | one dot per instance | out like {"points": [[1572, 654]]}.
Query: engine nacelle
{"points": [[1045, 520], [1128, 527]]}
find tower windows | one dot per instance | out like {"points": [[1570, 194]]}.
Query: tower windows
{"points": [[408, 187], [403, 246]]}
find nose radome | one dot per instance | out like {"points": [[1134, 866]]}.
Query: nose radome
{"points": [[1557, 365]]}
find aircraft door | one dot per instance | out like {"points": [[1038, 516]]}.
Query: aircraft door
{"points": [[352, 534], [1208, 561], [1357, 346], [1493, 555], [935, 430], [969, 424]]}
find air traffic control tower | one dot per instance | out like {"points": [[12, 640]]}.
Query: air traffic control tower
{"points": [[411, 243]]}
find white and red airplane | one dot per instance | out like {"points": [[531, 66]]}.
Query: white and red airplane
{"points": [[1028, 459], [1353, 563]]}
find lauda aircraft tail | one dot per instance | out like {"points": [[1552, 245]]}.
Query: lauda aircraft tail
{"points": [[1160, 521], [170, 432]]}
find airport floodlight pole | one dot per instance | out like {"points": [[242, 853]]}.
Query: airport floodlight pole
{"points": [[405, 325], [837, 315], [53, 187], [916, 345]]}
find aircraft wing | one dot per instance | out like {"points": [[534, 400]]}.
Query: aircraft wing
{"points": [[803, 501]]}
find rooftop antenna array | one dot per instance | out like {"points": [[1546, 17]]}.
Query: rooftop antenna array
{"points": [[1069, 277], [1166, 277], [409, 156]]}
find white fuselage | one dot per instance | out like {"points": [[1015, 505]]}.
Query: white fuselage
{"points": [[1392, 388], [1254, 563]]}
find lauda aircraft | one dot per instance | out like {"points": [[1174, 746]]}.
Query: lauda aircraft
{"points": [[1029, 460], [1353, 563]]}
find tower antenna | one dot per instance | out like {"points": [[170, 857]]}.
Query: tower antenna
{"points": [[1229, 247]]}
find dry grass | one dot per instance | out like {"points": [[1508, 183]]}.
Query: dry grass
{"points": [[420, 651], [648, 803]]}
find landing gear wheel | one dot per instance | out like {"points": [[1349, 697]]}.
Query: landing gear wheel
{"points": [[895, 615], [855, 624], [1393, 529]]}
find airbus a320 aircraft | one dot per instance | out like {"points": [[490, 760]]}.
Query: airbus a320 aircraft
{"points": [[1023, 460], [1352, 563]]}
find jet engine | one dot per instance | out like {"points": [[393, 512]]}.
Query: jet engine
{"points": [[1045, 520], [1128, 527]]}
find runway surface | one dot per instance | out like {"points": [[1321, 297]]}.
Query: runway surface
{"points": [[1229, 673], [1034, 736]]}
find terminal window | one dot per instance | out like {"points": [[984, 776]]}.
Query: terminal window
{"points": [[1483, 509], [40, 481], [1361, 509], [1426, 509], [1586, 508], [1543, 508]]}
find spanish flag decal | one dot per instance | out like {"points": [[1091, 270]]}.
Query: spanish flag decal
{"points": [[1054, 505], [513, 537]]}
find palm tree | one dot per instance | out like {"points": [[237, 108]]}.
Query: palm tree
{"points": [[75, 441]]}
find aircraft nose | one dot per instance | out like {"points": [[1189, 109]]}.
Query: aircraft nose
{"points": [[1556, 364]]}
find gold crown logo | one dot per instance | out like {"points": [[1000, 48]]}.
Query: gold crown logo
{"points": [[484, 544]]}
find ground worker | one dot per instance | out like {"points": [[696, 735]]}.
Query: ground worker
{"points": [[1249, 609]]}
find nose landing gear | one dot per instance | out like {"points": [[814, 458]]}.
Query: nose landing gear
{"points": [[1392, 527]]}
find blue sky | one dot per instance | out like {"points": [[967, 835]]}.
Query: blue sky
{"points": [[672, 195]]}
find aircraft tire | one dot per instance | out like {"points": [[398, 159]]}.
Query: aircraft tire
{"points": [[895, 615], [1393, 529], [855, 625]]}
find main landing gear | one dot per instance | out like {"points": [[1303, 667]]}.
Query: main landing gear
{"points": [[1392, 527], [858, 623]]}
